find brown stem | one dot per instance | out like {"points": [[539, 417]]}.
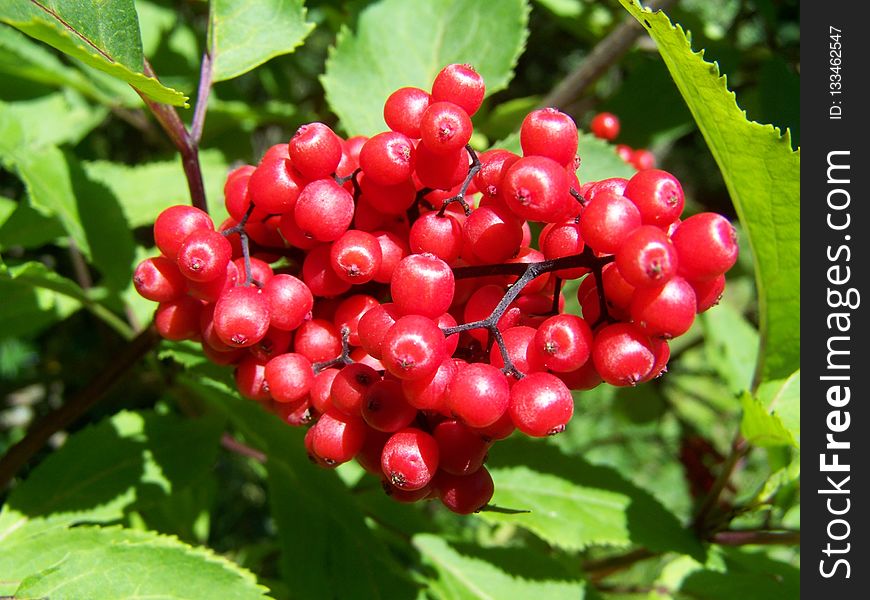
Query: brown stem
{"points": [[168, 118], [18, 455], [342, 359], [599, 569], [702, 521], [760, 537], [607, 52], [205, 76], [234, 445]]}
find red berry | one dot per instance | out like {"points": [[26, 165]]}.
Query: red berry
{"points": [[607, 221], [174, 224], [324, 210], [404, 108], [289, 377], [465, 494], [350, 387], [356, 256], [622, 354], [241, 316], [422, 284], [549, 132], [178, 319], [203, 255], [315, 150], [647, 257], [384, 407], [541, 404], [459, 84], [275, 185], [667, 311], [336, 437], [658, 196], [605, 125], [387, 158], [564, 341], [290, 301], [461, 450], [479, 394], [318, 340], [410, 459], [413, 347], [159, 280], [536, 188], [706, 244], [445, 128]]}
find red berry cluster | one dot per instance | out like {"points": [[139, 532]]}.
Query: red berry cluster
{"points": [[605, 125], [386, 292]]}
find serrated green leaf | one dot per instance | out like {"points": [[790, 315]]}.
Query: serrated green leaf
{"points": [[406, 42], [244, 34], [598, 159], [104, 36], [775, 413], [131, 458], [97, 563], [760, 427], [141, 200], [762, 174], [574, 504], [71, 118], [321, 542], [474, 573]]}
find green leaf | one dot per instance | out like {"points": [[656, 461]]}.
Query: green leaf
{"points": [[21, 225], [321, 542], [406, 42], [760, 427], [103, 35], [598, 159], [141, 200], [22, 57], [470, 572], [244, 34], [774, 416], [97, 563], [574, 504], [71, 118], [34, 287], [762, 174], [749, 575], [731, 343], [129, 459]]}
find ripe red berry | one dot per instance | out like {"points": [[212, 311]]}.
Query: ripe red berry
{"points": [[410, 459], [318, 340], [564, 341], [549, 132], [479, 394], [658, 196], [445, 128], [622, 354], [465, 494], [384, 407], [404, 108], [422, 284], [318, 274], [275, 184], [492, 234], [541, 404], [461, 450], [159, 280], [203, 255], [441, 171], [250, 378], [706, 244], [324, 210], [413, 347], [174, 224], [350, 387], [241, 316], [336, 437], [178, 319], [438, 235], [289, 377], [605, 125], [667, 311], [647, 257], [315, 150], [356, 256], [459, 84], [290, 301], [642, 159], [536, 188], [607, 221], [387, 158], [430, 391]]}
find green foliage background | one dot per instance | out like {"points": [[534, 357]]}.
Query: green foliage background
{"points": [[140, 495]]}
